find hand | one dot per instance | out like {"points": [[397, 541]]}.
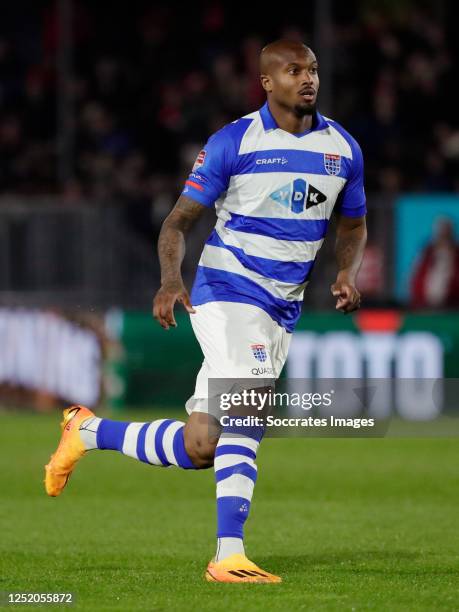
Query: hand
{"points": [[348, 296], [164, 302]]}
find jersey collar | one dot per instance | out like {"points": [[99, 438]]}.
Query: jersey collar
{"points": [[269, 123]]}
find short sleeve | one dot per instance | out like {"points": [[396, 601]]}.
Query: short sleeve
{"points": [[210, 174], [351, 201]]}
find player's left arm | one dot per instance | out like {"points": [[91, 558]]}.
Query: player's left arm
{"points": [[351, 233], [351, 237]]}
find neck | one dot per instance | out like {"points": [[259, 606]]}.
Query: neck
{"points": [[288, 120]]}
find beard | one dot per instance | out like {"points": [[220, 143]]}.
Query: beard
{"points": [[301, 110]]}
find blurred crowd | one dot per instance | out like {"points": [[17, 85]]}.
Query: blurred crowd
{"points": [[152, 81]]}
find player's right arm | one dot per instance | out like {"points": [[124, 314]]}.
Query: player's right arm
{"points": [[208, 179], [171, 250]]}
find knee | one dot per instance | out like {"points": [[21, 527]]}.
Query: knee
{"points": [[200, 449]]}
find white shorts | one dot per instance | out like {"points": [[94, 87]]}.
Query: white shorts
{"points": [[239, 341]]}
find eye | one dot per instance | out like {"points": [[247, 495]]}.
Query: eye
{"points": [[293, 71], [314, 70]]}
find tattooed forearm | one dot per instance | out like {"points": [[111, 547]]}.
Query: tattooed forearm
{"points": [[171, 242], [171, 250], [351, 237]]}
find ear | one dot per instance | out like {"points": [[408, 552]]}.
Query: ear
{"points": [[266, 82]]}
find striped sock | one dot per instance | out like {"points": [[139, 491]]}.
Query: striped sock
{"points": [[158, 443], [235, 474]]}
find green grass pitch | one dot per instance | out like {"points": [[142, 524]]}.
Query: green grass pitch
{"points": [[349, 525]]}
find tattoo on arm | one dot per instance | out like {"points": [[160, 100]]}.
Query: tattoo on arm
{"points": [[171, 242], [351, 237]]}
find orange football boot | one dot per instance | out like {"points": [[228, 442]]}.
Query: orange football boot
{"points": [[237, 568], [69, 451]]}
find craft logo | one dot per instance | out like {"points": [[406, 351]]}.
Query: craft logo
{"points": [[271, 160]]}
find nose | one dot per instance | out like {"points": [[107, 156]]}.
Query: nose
{"points": [[307, 78]]}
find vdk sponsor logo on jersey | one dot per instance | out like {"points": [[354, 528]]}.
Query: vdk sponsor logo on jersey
{"points": [[297, 194]]}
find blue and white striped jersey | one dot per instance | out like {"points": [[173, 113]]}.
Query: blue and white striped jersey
{"points": [[274, 193]]}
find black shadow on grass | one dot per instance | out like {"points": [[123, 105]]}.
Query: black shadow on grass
{"points": [[291, 563]]}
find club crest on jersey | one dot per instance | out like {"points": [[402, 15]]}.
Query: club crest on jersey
{"points": [[259, 352], [199, 160], [332, 163]]}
